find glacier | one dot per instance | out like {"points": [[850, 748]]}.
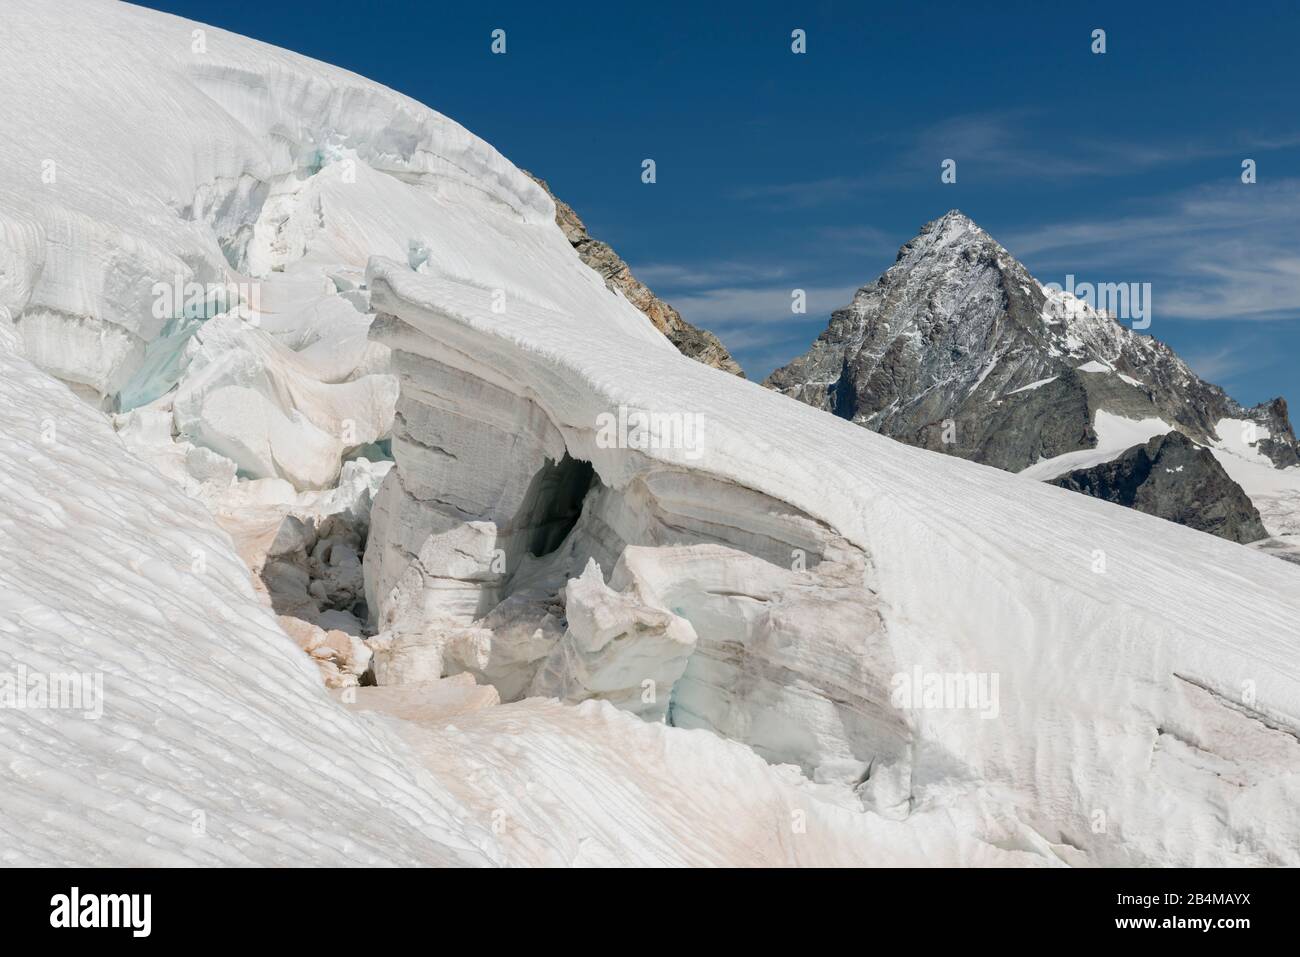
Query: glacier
{"points": [[218, 744], [679, 647]]}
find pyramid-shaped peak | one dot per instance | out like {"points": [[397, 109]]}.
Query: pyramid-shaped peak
{"points": [[951, 233], [950, 222], [956, 216]]}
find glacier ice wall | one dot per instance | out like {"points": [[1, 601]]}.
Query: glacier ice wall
{"points": [[1146, 704]]}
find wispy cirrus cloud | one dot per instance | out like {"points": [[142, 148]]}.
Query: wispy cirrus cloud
{"points": [[706, 274], [804, 193], [1024, 144], [860, 239], [1029, 144], [1216, 252], [731, 306], [1222, 363]]}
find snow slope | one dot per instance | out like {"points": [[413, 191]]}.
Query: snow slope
{"points": [[1149, 673], [1275, 492], [592, 786]]}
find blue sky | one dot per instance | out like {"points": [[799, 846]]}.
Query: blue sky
{"points": [[777, 170]]}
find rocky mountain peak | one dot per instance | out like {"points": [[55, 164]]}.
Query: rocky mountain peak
{"points": [[954, 226], [951, 243], [956, 347]]}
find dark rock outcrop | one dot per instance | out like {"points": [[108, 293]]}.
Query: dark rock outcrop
{"points": [[1173, 478], [697, 344], [1281, 445]]}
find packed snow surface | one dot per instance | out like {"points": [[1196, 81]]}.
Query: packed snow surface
{"points": [[1275, 492], [1139, 682]]}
